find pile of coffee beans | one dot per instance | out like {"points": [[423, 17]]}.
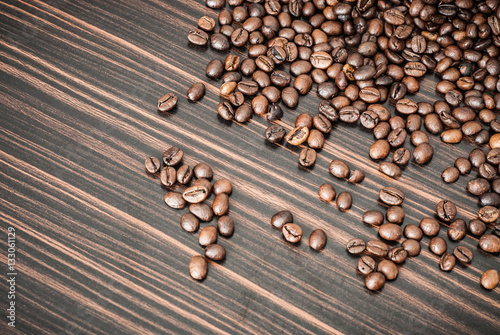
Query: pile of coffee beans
{"points": [[292, 232], [193, 187]]}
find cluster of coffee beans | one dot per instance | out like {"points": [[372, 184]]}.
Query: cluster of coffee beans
{"points": [[292, 232], [182, 192]]}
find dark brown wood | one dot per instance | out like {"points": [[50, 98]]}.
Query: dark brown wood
{"points": [[99, 252]]}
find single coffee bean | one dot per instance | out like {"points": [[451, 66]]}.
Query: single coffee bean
{"points": [[248, 87], [379, 150], [478, 186], [438, 245], [168, 176], [390, 231], [413, 232], [152, 165], [316, 139], [208, 235], [490, 279], [463, 254], [339, 169], [406, 106], [489, 199], [215, 252], [303, 84], [450, 174], [488, 214], [412, 247], [172, 156], [388, 269], [397, 137], [395, 214], [225, 110], [239, 37], [390, 169], [401, 156], [184, 174], [167, 102], [344, 201], [275, 133], [317, 240], [452, 136], [377, 248], [447, 262], [297, 135], [292, 232], [349, 114], [273, 94], [274, 112], [487, 171], [495, 141], [198, 37], [423, 153], [195, 194], [304, 120], [446, 210], [216, 4], [366, 265], [232, 63], [375, 281], [369, 119], [219, 42], [222, 186], [321, 60], [477, 157], [418, 137], [490, 243], [357, 176], [225, 225], [220, 205], [196, 91], [355, 246], [477, 227], [322, 123], [279, 219], [373, 217], [198, 267], [429, 226], [290, 97], [493, 156], [174, 200], [202, 170], [463, 165], [202, 211], [215, 69], [243, 113], [391, 196], [307, 157], [189, 223], [457, 230], [397, 254]]}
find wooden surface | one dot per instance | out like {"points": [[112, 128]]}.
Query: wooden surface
{"points": [[99, 252]]}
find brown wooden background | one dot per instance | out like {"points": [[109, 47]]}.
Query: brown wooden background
{"points": [[98, 250]]}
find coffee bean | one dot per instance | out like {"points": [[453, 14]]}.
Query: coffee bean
{"points": [[366, 265], [429, 226], [388, 269], [450, 174], [413, 232], [216, 4], [373, 217], [198, 267], [477, 227], [195, 194], [344, 201], [264, 63], [232, 63], [446, 210], [220, 205], [390, 169], [355, 246], [477, 157], [167, 102], [222, 186], [297, 135], [395, 214], [272, 94], [489, 199], [391, 196], [198, 37], [219, 42], [202, 211], [418, 137], [215, 69], [412, 247], [152, 165], [401, 156], [375, 281], [321, 123], [321, 60], [490, 243], [349, 114], [196, 91], [202, 170], [317, 240], [225, 110], [438, 245], [168, 176], [184, 174], [275, 133], [377, 248], [357, 176], [490, 279], [339, 169], [307, 157], [365, 72], [390, 231], [487, 171], [463, 165], [303, 84], [274, 112], [394, 17], [406, 106], [423, 153], [381, 130], [239, 37], [397, 254], [225, 225], [447, 262], [243, 113], [488, 214], [316, 139], [379, 150], [463, 254], [304, 120], [279, 219], [189, 223], [215, 252], [248, 87], [174, 200], [292, 232], [478, 186], [415, 69], [369, 119], [208, 235]]}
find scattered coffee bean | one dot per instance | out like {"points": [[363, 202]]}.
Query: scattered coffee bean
{"points": [[373, 217], [388, 269], [438, 245], [222, 186], [366, 265], [189, 223], [375, 281], [279, 219], [152, 165], [397, 254], [208, 235], [327, 192], [413, 232], [174, 200], [429, 226], [490, 279], [339, 169], [195, 194], [390, 231], [412, 247], [202, 211], [220, 205], [463, 254], [225, 225], [447, 262], [198, 267], [344, 201], [196, 91], [457, 230], [215, 252], [391, 196], [292, 232], [357, 176], [172, 156], [317, 240], [355, 246], [202, 170], [307, 157], [168, 176], [446, 210], [377, 248], [490, 243]]}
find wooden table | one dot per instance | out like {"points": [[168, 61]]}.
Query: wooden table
{"points": [[99, 252]]}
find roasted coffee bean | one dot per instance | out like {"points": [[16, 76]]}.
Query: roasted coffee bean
{"points": [[369, 95], [225, 110], [292, 232], [490, 243], [307, 157], [388, 269], [477, 227], [377, 248], [239, 37], [493, 156], [275, 133], [236, 99], [390, 169], [398, 91], [184, 174], [401, 156], [261, 78], [450, 174], [202, 211], [412, 247], [489, 199], [328, 111], [418, 137], [232, 63], [369, 119], [297, 135], [463, 165], [174, 200], [366, 265], [304, 120], [219, 42], [375, 281], [280, 78], [438, 245], [196, 91], [391, 196], [227, 89], [395, 214], [397, 254], [457, 230], [379, 150], [202, 170], [339, 169], [365, 72], [189, 223], [274, 112], [198, 37], [303, 84], [429, 226], [248, 87], [463, 254], [373, 217], [349, 114], [168, 176], [452, 136], [406, 106], [355, 246], [208, 235], [327, 90], [317, 240], [423, 153], [478, 186], [198, 267], [490, 279], [195, 194], [225, 225], [216, 4], [382, 130], [446, 210], [243, 113], [488, 214], [344, 201], [413, 232], [477, 157], [415, 69], [390, 231], [327, 192], [321, 60], [167, 102], [447, 262], [264, 63], [222, 186], [220, 205], [215, 252], [357, 176], [152, 165], [316, 139], [321, 123], [272, 94], [215, 69], [279, 219], [487, 171]]}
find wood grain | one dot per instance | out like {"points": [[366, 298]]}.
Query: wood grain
{"points": [[98, 250]]}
